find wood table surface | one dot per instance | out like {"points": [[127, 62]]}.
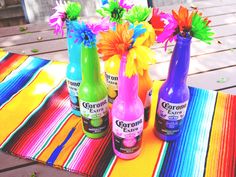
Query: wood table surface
{"points": [[211, 67]]}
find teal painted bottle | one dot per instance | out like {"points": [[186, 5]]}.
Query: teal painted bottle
{"points": [[73, 72]]}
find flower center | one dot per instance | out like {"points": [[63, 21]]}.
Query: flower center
{"points": [[117, 13], [86, 37]]}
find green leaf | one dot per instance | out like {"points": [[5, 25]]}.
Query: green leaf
{"points": [[34, 174], [34, 50], [73, 10], [137, 14], [23, 28], [200, 29]]}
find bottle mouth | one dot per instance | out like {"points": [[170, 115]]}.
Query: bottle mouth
{"points": [[184, 39]]}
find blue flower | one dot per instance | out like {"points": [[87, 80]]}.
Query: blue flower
{"points": [[84, 35], [138, 30]]}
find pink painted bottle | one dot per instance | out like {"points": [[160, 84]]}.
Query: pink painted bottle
{"points": [[127, 116]]}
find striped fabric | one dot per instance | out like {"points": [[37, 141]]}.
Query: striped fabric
{"points": [[36, 123]]}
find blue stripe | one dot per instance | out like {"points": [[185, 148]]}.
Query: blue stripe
{"points": [[20, 78], [186, 156], [59, 148]]}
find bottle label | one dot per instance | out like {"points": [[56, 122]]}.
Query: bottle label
{"points": [[112, 85], [73, 87], [147, 105], [95, 115], [127, 135], [169, 116]]}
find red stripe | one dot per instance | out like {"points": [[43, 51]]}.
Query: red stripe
{"points": [[8, 61], [157, 161], [226, 161], [99, 152], [42, 117], [53, 138], [79, 139], [112, 167]]}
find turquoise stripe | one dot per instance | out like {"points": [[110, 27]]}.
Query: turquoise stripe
{"points": [[186, 156], [110, 165]]}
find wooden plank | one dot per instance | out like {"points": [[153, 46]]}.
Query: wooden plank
{"points": [[59, 56], [40, 170], [230, 90], [42, 47], [11, 12], [223, 19], [28, 38], [14, 30], [197, 48], [10, 161], [7, 31], [213, 7], [199, 4], [219, 10], [19, 39], [213, 80], [198, 64], [12, 2]]}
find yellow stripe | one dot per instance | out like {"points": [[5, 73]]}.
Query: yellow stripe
{"points": [[13, 66], [215, 139], [151, 149], [2, 54], [14, 112], [60, 137]]}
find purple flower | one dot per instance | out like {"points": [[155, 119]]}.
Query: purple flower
{"points": [[169, 31], [57, 20], [126, 4], [103, 24]]}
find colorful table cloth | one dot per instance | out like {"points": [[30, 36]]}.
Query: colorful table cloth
{"points": [[36, 123]]}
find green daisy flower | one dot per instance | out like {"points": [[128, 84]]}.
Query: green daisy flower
{"points": [[137, 14], [73, 10], [200, 29], [113, 10]]}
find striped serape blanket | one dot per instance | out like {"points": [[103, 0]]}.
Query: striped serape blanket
{"points": [[36, 123]]}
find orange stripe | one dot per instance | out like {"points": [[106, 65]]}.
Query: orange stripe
{"points": [[213, 156], [59, 138]]}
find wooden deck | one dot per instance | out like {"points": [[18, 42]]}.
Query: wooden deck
{"points": [[212, 66]]}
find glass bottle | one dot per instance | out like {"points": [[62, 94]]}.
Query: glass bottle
{"points": [[111, 74], [127, 116], [145, 93], [174, 93], [93, 95], [73, 72]]}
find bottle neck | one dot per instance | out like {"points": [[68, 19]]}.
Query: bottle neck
{"points": [[179, 64], [74, 49], [127, 87], [91, 65]]}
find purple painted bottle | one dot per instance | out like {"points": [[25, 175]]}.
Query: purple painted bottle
{"points": [[174, 93], [127, 116]]}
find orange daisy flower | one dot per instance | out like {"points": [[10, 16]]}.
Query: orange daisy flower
{"points": [[115, 42], [183, 18]]}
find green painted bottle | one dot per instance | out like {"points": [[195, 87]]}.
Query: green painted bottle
{"points": [[93, 95]]}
